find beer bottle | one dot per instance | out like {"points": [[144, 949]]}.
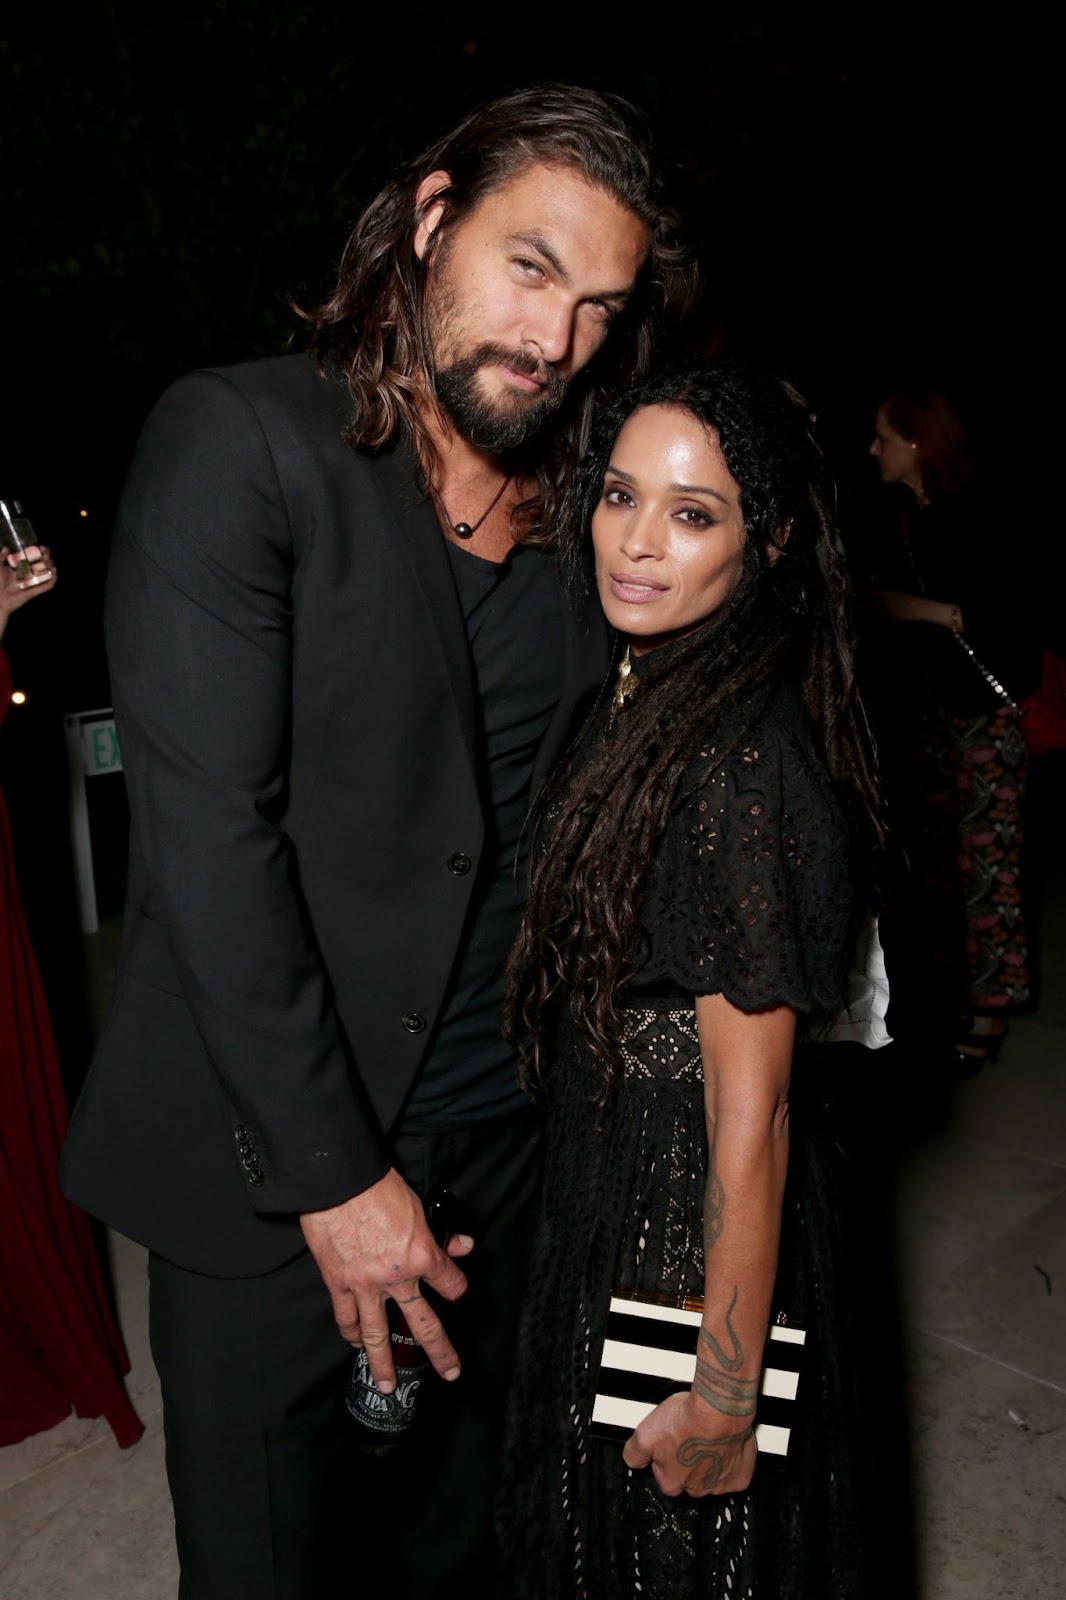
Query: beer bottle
{"points": [[384, 1420]]}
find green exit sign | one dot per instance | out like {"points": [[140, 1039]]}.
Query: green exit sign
{"points": [[99, 747]]}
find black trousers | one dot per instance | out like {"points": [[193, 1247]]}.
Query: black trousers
{"points": [[273, 1499]]}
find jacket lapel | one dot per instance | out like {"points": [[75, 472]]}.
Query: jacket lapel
{"points": [[585, 631], [422, 542]]}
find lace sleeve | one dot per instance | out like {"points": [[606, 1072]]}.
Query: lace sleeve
{"points": [[750, 896]]}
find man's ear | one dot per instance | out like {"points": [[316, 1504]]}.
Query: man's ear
{"points": [[775, 546], [429, 210]]}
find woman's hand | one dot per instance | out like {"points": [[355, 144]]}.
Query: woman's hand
{"points": [[693, 1449], [895, 605], [12, 596]]}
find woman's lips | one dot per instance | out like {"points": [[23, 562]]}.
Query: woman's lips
{"points": [[635, 591]]}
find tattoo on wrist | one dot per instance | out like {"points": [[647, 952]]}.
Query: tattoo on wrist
{"points": [[734, 1397], [736, 1360]]}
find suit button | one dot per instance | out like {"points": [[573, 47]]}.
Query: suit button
{"points": [[414, 1022], [459, 863]]}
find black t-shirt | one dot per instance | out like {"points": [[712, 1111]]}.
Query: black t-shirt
{"points": [[514, 625]]}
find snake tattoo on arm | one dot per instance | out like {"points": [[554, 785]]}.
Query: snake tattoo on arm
{"points": [[716, 1381]]}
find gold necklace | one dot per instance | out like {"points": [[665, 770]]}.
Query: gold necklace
{"points": [[626, 684], [467, 530]]}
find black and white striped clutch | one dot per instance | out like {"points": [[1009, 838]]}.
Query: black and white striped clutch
{"points": [[649, 1352]]}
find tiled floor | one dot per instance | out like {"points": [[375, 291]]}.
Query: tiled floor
{"points": [[979, 1212]]}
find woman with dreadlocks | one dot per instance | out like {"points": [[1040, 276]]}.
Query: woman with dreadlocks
{"points": [[692, 902]]}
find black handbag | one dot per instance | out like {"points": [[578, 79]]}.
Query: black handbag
{"points": [[649, 1353]]}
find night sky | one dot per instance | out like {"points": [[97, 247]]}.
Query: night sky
{"points": [[871, 197], [863, 193]]}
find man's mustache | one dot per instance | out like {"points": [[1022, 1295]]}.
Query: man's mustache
{"points": [[520, 361]]}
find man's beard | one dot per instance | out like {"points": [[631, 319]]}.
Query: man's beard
{"points": [[502, 425]]}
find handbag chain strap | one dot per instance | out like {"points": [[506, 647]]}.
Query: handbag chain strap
{"points": [[989, 677]]}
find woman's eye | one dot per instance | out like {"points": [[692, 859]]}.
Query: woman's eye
{"points": [[695, 518], [617, 497]]}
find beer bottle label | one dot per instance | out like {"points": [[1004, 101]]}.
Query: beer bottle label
{"points": [[384, 1414]]}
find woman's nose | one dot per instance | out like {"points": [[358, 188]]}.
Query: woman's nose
{"points": [[641, 538]]}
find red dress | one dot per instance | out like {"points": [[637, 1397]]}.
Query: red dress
{"points": [[60, 1348]]}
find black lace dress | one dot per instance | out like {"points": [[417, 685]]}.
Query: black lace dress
{"points": [[750, 899]]}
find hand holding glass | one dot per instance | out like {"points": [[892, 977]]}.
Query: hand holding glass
{"points": [[21, 543]]}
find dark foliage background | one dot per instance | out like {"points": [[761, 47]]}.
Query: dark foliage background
{"points": [[864, 190]]}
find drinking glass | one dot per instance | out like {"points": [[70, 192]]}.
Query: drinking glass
{"points": [[19, 540]]}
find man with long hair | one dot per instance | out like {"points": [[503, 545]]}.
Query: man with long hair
{"points": [[342, 664]]}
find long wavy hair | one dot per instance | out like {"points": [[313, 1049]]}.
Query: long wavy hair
{"points": [[598, 827], [373, 326]]}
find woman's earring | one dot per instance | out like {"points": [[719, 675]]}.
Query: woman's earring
{"points": [[778, 542]]}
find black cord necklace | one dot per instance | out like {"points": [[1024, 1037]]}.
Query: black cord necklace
{"points": [[466, 530]]}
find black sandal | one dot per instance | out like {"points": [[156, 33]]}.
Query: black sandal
{"points": [[972, 1049]]}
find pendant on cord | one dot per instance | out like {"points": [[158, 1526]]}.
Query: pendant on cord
{"points": [[467, 530]]}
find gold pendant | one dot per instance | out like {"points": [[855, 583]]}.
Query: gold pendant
{"points": [[625, 685]]}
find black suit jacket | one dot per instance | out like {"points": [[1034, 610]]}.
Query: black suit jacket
{"points": [[296, 714]]}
